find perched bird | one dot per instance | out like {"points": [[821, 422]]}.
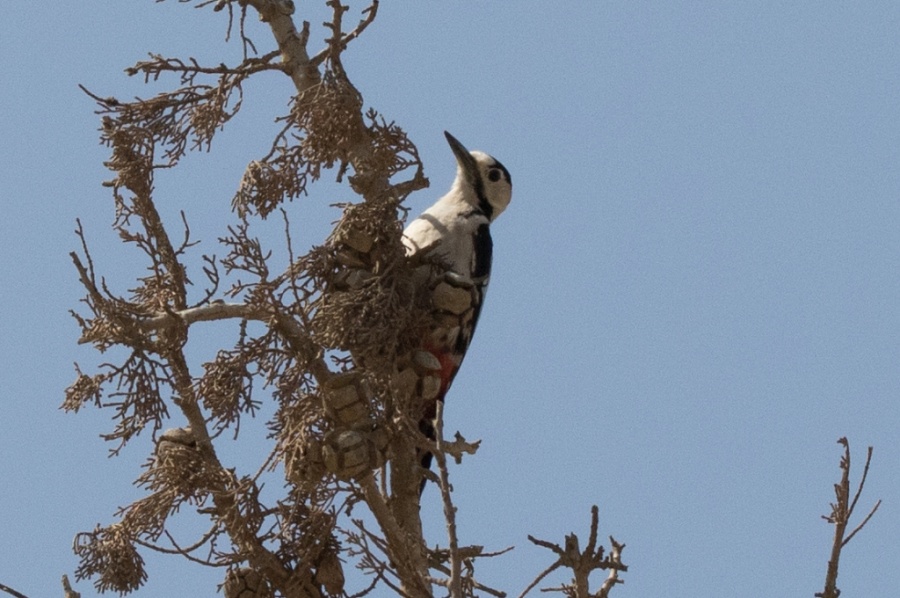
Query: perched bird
{"points": [[455, 235]]}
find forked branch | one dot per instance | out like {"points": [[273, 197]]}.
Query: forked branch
{"points": [[841, 511], [583, 563]]}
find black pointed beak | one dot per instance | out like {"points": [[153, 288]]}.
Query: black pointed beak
{"points": [[458, 148], [463, 157]]}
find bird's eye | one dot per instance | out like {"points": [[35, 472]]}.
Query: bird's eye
{"points": [[494, 174]]}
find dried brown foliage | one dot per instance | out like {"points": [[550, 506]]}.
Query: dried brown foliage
{"points": [[330, 338]]}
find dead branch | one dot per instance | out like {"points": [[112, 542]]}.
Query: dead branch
{"points": [[158, 64], [403, 549], [582, 563], [841, 511], [467, 556], [454, 583], [68, 592], [338, 41], [11, 591], [292, 45]]}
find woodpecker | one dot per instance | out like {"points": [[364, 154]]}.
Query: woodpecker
{"points": [[454, 236]]}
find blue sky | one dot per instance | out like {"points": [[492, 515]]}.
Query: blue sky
{"points": [[695, 289]]}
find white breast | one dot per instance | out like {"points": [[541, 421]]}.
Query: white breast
{"points": [[451, 225]]}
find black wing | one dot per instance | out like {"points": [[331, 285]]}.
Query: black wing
{"points": [[481, 272]]}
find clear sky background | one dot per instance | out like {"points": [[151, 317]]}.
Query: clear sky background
{"points": [[695, 289]]}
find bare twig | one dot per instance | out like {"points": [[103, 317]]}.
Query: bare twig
{"points": [[862, 523], [11, 591], [583, 563], [68, 592], [541, 575], [344, 39], [153, 68], [455, 581], [841, 511], [187, 550], [615, 558]]}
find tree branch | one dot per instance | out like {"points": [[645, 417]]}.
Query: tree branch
{"points": [[294, 56], [224, 497], [338, 42], [583, 563], [410, 563], [11, 591], [455, 581], [841, 510]]}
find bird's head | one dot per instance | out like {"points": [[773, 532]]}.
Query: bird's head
{"points": [[481, 179]]}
